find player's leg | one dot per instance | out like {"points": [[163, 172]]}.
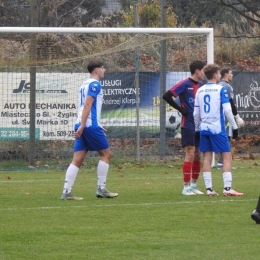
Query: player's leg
{"points": [[256, 213], [226, 171], [97, 141], [80, 150], [102, 168], [196, 167], [220, 161], [188, 142], [102, 171], [207, 174], [71, 175], [206, 148], [229, 134], [221, 144], [187, 170], [227, 176]]}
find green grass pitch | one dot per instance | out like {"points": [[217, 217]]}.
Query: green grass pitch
{"points": [[150, 219]]}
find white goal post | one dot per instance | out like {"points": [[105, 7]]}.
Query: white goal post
{"points": [[207, 31], [65, 49]]}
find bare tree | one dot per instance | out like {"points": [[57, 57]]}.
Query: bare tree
{"points": [[250, 9], [216, 11], [51, 13], [14, 13]]}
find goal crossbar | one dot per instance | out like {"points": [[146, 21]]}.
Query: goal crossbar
{"points": [[207, 31]]}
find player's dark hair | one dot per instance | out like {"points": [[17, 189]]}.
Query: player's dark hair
{"points": [[224, 71], [196, 65], [210, 70], [94, 64]]}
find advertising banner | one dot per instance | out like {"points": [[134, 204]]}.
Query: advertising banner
{"points": [[246, 87], [56, 105], [119, 104], [57, 102]]}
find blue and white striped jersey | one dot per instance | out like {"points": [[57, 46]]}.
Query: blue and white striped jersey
{"points": [[209, 109], [91, 87]]}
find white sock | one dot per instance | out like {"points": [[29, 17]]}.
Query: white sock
{"points": [[102, 170], [70, 177], [227, 179], [207, 179], [186, 185], [193, 182]]}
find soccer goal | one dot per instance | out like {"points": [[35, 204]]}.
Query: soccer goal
{"points": [[37, 119]]}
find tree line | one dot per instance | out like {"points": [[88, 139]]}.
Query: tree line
{"points": [[71, 13]]}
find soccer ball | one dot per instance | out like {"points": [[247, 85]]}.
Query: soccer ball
{"points": [[173, 120]]}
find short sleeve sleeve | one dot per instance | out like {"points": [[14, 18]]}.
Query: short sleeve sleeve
{"points": [[224, 95], [94, 89]]}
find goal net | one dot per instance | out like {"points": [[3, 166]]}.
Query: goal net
{"points": [[132, 109]]}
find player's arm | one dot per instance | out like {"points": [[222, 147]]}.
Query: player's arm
{"points": [[227, 107], [196, 114], [240, 122], [229, 115], [228, 111], [85, 113], [168, 98], [92, 92], [230, 96], [233, 107]]}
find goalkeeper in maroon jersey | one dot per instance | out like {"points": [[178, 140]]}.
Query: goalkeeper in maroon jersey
{"points": [[186, 91]]}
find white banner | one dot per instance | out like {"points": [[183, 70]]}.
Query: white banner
{"points": [[57, 101], [56, 105]]}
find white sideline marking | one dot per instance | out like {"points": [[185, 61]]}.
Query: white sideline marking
{"points": [[29, 181], [166, 176], [127, 204], [92, 178]]}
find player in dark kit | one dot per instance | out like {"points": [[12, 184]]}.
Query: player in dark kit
{"points": [[256, 213], [186, 91], [226, 77]]}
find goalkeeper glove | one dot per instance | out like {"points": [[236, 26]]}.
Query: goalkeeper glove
{"points": [[240, 122], [235, 133]]}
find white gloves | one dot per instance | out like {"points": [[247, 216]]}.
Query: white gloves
{"points": [[240, 122]]}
